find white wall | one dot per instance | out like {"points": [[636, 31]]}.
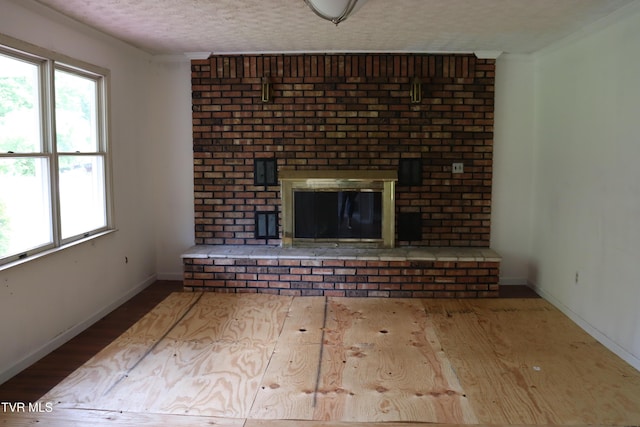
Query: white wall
{"points": [[586, 210], [173, 163], [512, 166], [45, 301]]}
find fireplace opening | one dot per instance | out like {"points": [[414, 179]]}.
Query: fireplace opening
{"points": [[338, 215], [338, 208]]}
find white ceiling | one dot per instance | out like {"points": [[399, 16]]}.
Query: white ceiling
{"points": [[167, 27]]}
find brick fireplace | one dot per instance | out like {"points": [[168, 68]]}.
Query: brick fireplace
{"points": [[348, 112]]}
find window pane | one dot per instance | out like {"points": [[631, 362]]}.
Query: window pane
{"points": [[20, 130], [76, 103], [25, 218], [82, 194]]}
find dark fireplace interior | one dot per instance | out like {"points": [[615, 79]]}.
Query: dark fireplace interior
{"points": [[338, 215]]}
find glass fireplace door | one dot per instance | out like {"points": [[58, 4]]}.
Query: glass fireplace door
{"points": [[330, 208], [341, 215]]}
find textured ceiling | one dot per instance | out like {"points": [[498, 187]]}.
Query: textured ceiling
{"points": [[235, 26]]}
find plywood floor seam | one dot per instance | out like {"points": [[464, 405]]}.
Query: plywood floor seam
{"points": [[154, 344], [260, 360], [271, 358], [320, 355]]}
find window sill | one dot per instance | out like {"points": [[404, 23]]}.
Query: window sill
{"points": [[51, 251]]}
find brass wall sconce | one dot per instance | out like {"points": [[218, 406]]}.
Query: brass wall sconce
{"points": [[415, 91], [266, 91]]}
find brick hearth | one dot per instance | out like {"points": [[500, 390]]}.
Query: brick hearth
{"points": [[399, 272]]}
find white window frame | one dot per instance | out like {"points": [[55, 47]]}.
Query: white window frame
{"points": [[48, 62]]}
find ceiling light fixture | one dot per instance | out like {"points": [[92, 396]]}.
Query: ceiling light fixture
{"points": [[335, 11]]}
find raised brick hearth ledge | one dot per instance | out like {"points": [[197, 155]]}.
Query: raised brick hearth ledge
{"points": [[419, 272]]}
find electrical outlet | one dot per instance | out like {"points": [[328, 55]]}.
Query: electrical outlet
{"points": [[457, 168]]}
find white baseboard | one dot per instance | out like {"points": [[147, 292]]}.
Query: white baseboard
{"points": [[59, 340], [590, 329]]}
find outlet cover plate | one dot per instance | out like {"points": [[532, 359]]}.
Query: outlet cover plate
{"points": [[457, 168]]}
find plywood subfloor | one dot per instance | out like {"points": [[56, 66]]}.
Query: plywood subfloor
{"points": [[257, 360]]}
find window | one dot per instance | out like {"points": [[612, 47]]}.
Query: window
{"points": [[54, 164]]}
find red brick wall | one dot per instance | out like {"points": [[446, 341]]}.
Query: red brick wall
{"points": [[344, 112]]}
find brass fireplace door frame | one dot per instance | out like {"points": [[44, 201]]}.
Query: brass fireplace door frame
{"points": [[334, 180]]}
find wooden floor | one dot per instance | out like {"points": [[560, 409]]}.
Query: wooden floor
{"points": [[264, 361]]}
